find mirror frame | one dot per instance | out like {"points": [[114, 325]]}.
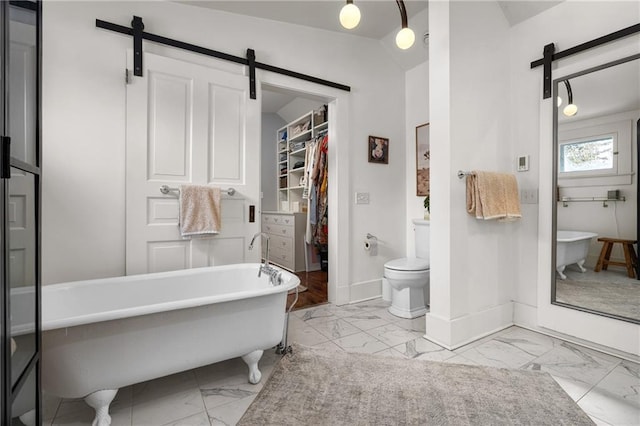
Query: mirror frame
{"points": [[554, 214]]}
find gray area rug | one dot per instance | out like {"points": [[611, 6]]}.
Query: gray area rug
{"points": [[320, 387]]}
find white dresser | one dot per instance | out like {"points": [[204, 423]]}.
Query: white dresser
{"points": [[286, 239]]}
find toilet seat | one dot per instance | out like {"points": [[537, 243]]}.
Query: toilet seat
{"points": [[408, 264]]}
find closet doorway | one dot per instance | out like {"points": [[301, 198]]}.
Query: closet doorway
{"points": [[294, 188]]}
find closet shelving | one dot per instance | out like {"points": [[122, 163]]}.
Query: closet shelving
{"points": [[292, 150]]}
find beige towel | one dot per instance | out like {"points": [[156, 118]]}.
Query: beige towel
{"points": [[493, 196], [199, 210]]}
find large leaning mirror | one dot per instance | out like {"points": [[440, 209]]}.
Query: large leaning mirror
{"points": [[596, 174]]}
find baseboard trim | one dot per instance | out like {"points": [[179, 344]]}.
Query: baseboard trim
{"points": [[455, 333], [365, 290]]}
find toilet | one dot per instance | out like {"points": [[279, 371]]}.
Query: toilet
{"points": [[408, 278]]}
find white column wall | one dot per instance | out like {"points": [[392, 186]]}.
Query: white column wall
{"points": [[471, 276]]}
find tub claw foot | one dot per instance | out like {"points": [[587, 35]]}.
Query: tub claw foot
{"points": [[251, 359], [560, 270], [100, 401], [582, 268]]}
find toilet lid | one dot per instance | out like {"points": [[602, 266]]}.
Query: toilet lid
{"points": [[408, 264]]}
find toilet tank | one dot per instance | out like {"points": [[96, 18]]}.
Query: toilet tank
{"points": [[421, 230]]}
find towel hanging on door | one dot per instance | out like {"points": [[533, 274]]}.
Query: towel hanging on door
{"points": [[199, 210], [493, 195]]}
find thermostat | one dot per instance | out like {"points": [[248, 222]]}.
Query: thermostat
{"points": [[523, 163]]}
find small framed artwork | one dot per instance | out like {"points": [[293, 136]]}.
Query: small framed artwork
{"points": [[422, 159], [378, 150]]}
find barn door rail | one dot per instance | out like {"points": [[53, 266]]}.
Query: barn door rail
{"points": [[550, 55], [138, 34]]}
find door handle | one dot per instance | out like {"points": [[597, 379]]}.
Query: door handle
{"points": [[5, 168]]}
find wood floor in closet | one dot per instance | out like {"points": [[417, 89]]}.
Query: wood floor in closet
{"points": [[316, 283]]}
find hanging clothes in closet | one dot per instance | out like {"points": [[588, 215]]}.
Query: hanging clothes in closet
{"points": [[316, 192]]}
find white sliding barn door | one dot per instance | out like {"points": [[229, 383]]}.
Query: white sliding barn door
{"points": [[188, 123]]}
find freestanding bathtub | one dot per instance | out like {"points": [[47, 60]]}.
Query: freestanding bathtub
{"points": [[572, 247], [101, 335]]}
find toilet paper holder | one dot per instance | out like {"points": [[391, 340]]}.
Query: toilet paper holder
{"points": [[371, 244]]}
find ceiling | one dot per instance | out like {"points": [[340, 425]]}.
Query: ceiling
{"points": [[379, 17]]}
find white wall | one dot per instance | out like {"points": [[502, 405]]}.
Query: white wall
{"points": [[84, 122], [297, 108], [268, 166], [471, 261], [417, 113]]}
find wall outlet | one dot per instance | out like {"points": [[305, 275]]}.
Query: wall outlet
{"points": [[528, 196], [362, 198]]}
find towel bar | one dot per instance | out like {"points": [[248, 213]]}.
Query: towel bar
{"points": [[165, 190], [462, 174]]}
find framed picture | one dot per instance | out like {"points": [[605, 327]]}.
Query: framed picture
{"points": [[422, 159], [378, 150]]}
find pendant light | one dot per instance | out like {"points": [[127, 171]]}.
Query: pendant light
{"points": [[405, 37], [350, 15], [350, 18], [571, 109]]}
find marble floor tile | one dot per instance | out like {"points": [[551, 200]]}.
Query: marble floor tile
{"points": [[484, 339], [367, 320], [576, 369], [423, 349], [328, 346], [335, 329], [615, 399], [361, 342], [300, 332], [528, 341], [459, 359], [316, 313], [599, 422], [357, 309], [200, 419], [229, 414], [166, 406], [386, 315], [390, 352], [392, 334], [229, 390], [498, 353]]}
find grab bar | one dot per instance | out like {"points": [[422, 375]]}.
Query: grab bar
{"points": [[165, 190]]}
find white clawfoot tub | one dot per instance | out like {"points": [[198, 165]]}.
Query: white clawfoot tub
{"points": [[101, 335], [572, 247]]}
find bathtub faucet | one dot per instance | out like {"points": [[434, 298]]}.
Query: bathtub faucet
{"points": [[274, 275]]}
